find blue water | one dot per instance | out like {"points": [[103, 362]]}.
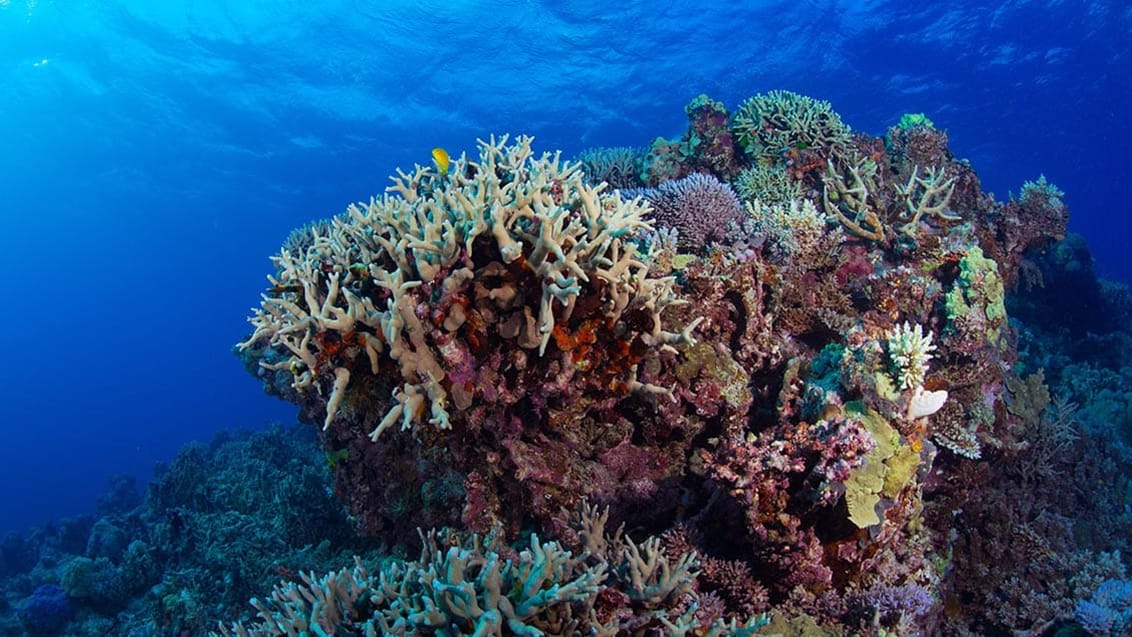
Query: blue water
{"points": [[154, 154]]}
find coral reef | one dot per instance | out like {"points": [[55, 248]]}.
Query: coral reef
{"points": [[619, 167], [788, 365], [772, 377], [221, 523], [708, 146]]}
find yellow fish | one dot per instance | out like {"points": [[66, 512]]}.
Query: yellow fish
{"points": [[440, 158]]}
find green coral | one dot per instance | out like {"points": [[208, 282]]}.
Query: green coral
{"points": [[461, 585], [453, 584], [976, 301], [912, 120], [887, 469], [769, 124], [1040, 190], [767, 184]]}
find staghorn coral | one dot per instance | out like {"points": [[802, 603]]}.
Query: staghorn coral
{"points": [[456, 587], [461, 585], [354, 291], [878, 197], [927, 195], [850, 196], [770, 124], [619, 167]]}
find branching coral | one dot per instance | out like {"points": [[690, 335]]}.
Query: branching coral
{"points": [[769, 184], [461, 589], [927, 195], [702, 209], [856, 195], [460, 586], [769, 124], [620, 166], [355, 287], [850, 197]]}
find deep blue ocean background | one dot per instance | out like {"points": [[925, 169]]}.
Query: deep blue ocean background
{"points": [[154, 154]]}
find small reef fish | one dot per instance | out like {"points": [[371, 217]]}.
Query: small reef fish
{"points": [[440, 158]]}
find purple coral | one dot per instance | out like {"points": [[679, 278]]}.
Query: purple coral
{"points": [[703, 210], [894, 605], [46, 610], [1109, 612]]}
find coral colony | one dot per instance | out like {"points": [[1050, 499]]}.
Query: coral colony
{"points": [[744, 382]]}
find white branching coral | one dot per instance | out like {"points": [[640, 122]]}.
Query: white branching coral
{"points": [[793, 231], [909, 349], [927, 195], [364, 283]]}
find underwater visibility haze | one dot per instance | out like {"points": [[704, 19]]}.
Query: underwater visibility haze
{"points": [[853, 295]]}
